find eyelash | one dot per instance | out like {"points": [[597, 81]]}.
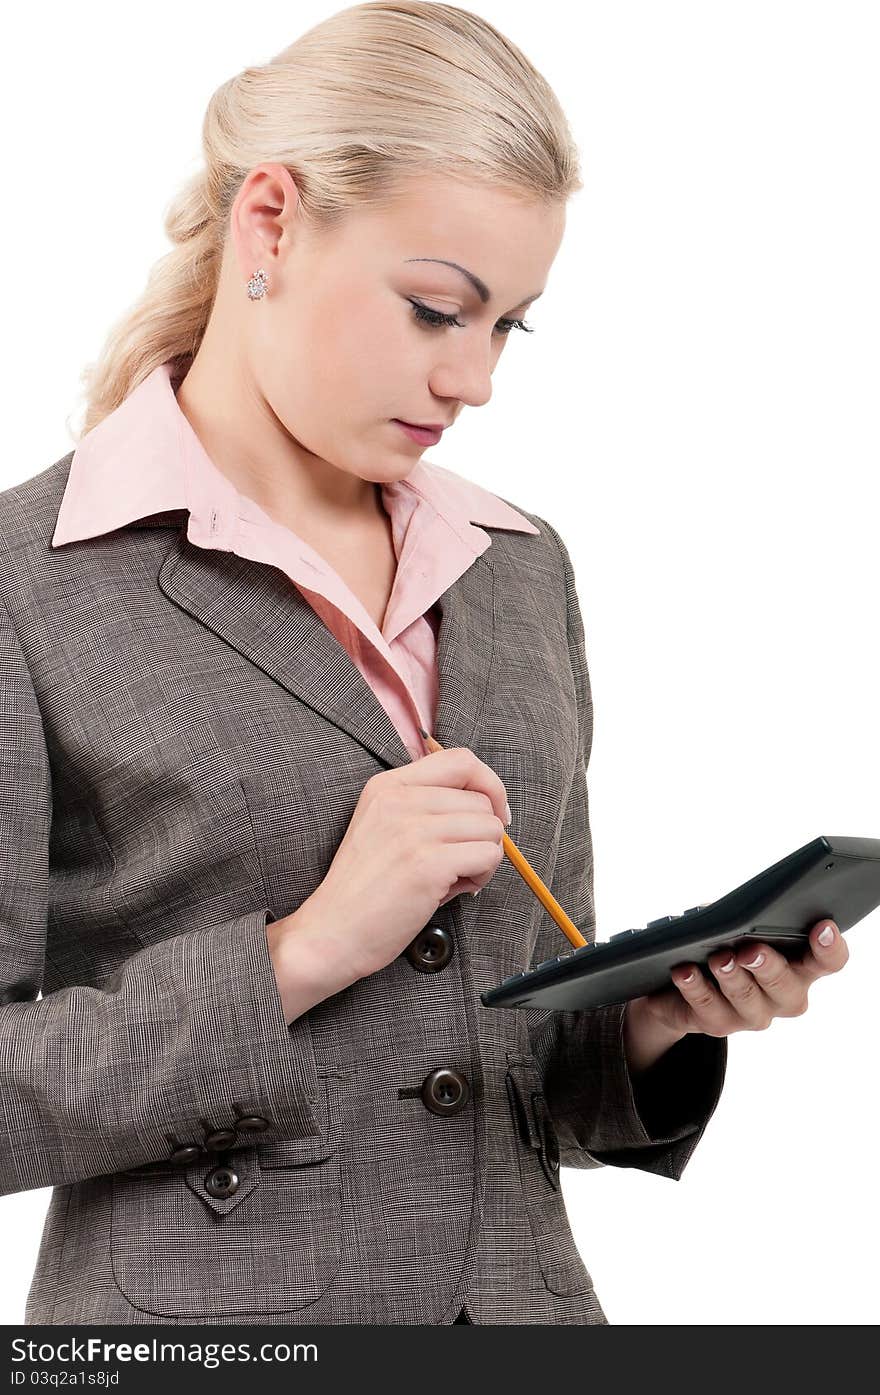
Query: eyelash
{"points": [[434, 317]]}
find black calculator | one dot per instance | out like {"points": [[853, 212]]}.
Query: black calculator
{"points": [[833, 878]]}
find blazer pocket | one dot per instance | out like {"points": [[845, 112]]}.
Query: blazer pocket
{"points": [[538, 1159], [256, 1229]]}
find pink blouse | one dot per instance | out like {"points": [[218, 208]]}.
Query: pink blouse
{"points": [[145, 457]]}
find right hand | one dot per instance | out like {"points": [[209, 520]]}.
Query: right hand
{"points": [[420, 834]]}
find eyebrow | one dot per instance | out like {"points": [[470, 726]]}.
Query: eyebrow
{"points": [[479, 286]]}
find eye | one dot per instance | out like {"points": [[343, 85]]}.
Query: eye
{"points": [[434, 317]]}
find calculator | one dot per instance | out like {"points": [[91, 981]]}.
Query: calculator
{"points": [[833, 878]]}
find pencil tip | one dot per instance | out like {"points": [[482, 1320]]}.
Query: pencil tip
{"points": [[423, 732]]}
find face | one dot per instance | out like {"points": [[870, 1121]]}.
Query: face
{"points": [[349, 335]]}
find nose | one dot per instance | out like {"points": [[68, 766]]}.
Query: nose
{"points": [[467, 377]]}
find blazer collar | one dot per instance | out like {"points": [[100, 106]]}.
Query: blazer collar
{"points": [[255, 609]]}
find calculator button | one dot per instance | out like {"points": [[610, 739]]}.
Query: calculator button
{"points": [[622, 933], [662, 920]]}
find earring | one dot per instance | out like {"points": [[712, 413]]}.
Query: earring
{"points": [[258, 285]]}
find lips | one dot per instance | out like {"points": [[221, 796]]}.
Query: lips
{"points": [[421, 435]]}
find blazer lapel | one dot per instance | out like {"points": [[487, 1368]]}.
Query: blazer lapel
{"points": [[261, 613]]}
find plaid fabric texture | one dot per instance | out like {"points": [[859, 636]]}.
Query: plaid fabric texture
{"points": [[182, 746]]}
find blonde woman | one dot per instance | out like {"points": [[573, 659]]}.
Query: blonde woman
{"points": [[260, 1080]]}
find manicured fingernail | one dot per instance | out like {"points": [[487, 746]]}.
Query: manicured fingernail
{"points": [[689, 977], [509, 814], [726, 968], [826, 936], [477, 892], [754, 963]]}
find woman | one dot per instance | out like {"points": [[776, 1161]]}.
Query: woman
{"points": [[260, 1079]]}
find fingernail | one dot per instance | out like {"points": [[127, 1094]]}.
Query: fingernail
{"points": [[509, 814], [726, 968], [826, 936], [756, 962], [477, 892]]}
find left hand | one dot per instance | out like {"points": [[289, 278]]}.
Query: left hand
{"points": [[749, 995]]}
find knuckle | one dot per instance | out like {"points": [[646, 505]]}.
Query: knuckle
{"points": [[417, 856], [749, 993], [392, 798], [405, 797], [491, 854], [378, 787], [775, 981]]}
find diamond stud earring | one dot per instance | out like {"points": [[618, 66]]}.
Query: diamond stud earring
{"points": [[258, 285]]}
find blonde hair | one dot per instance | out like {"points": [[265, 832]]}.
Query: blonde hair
{"points": [[368, 98]]}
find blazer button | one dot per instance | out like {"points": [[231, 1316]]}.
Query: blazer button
{"points": [[251, 1123], [431, 949], [219, 1139], [187, 1153], [222, 1181], [445, 1091]]}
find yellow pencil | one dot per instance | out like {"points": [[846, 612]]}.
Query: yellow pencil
{"points": [[530, 876]]}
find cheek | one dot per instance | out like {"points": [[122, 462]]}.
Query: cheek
{"points": [[300, 374], [376, 350], [378, 373], [345, 362]]}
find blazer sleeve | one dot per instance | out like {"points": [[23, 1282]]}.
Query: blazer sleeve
{"points": [[98, 1080], [601, 1115]]}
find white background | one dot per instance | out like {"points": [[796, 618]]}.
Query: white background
{"points": [[697, 414]]}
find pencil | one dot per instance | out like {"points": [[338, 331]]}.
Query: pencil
{"points": [[530, 876]]}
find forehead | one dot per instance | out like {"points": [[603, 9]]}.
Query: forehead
{"points": [[495, 232]]}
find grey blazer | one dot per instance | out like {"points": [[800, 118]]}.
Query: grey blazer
{"points": [[182, 746]]}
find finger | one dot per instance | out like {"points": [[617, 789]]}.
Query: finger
{"points": [[822, 959], [760, 984], [710, 1011], [461, 767]]}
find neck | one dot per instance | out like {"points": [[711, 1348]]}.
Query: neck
{"points": [[246, 442]]}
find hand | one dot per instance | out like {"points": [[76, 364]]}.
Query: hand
{"points": [[419, 835], [746, 998]]}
